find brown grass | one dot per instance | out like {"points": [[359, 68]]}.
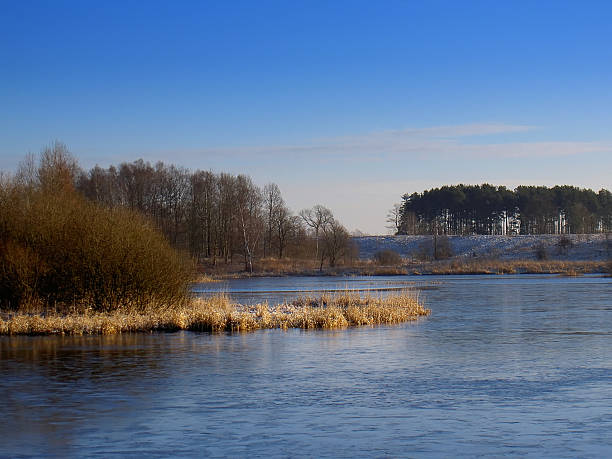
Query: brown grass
{"points": [[382, 271], [274, 267], [269, 267], [219, 314], [204, 279], [571, 268]]}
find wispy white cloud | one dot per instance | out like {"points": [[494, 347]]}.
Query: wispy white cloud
{"points": [[360, 176], [451, 131], [536, 149], [419, 143]]}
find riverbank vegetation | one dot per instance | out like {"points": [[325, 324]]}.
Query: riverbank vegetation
{"points": [[133, 234], [76, 263], [441, 267], [514, 267], [218, 314], [117, 249], [60, 251]]}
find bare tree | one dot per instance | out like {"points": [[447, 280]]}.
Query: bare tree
{"points": [[226, 216], [136, 181], [100, 185], [317, 219], [202, 222], [336, 241], [214, 216], [5, 180], [394, 218], [248, 207], [171, 193], [26, 171], [287, 226], [58, 170], [273, 203]]}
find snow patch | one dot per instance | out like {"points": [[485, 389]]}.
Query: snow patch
{"points": [[582, 247]]}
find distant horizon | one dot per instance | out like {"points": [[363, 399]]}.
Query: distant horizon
{"points": [[348, 104], [296, 210]]}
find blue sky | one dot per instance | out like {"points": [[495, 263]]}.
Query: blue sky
{"points": [[347, 104]]}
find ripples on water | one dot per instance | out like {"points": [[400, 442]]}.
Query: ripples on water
{"points": [[514, 365]]}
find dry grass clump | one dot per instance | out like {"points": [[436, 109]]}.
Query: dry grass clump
{"points": [[204, 279], [268, 266], [389, 271], [282, 266], [301, 267], [213, 314], [218, 314], [388, 257], [346, 310], [570, 274]]}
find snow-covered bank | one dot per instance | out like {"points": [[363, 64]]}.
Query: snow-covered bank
{"points": [[596, 247]]}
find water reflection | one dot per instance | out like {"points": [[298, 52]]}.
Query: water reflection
{"points": [[504, 366], [277, 290]]}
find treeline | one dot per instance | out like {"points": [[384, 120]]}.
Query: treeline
{"points": [[106, 239], [488, 209], [218, 217]]}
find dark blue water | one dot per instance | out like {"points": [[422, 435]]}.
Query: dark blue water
{"points": [[504, 366]]}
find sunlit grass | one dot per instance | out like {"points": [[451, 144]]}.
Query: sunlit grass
{"points": [[570, 268], [204, 279], [273, 267], [218, 314]]}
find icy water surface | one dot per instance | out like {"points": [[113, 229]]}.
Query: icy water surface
{"points": [[504, 366]]}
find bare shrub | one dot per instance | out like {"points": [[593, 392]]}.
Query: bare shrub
{"points": [[541, 253], [442, 248], [336, 242], [424, 251], [436, 248], [564, 244], [387, 257], [61, 250]]}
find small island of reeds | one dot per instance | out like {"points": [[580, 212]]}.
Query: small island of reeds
{"points": [[219, 314]]}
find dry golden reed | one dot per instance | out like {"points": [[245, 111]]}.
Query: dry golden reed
{"points": [[219, 314], [518, 266], [204, 279]]}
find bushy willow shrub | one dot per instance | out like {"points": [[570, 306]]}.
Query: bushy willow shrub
{"points": [[58, 249], [387, 257]]}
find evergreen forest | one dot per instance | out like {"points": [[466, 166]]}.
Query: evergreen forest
{"points": [[488, 209]]}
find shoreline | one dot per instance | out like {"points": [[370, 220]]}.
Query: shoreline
{"points": [[340, 310], [442, 267]]}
